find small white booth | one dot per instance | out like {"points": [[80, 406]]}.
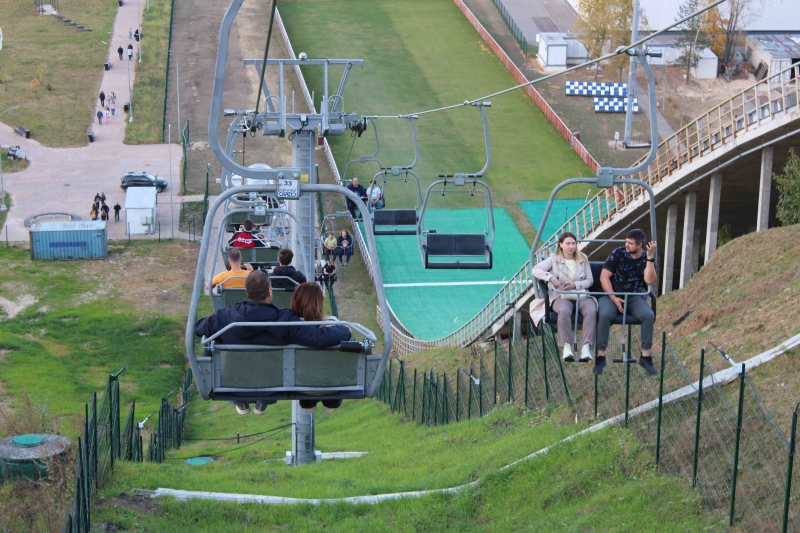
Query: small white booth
{"points": [[552, 51], [140, 210], [706, 68]]}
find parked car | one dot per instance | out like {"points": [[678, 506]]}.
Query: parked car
{"points": [[142, 179]]}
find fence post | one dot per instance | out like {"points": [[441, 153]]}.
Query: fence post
{"points": [[389, 388], [527, 361], [510, 375], [660, 396], [469, 392], [563, 376], [458, 395], [445, 413], [480, 391], [544, 364], [424, 388], [414, 399], [494, 395], [736, 446], [790, 461], [627, 376], [699, 410]]}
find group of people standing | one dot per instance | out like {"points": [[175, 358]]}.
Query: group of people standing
{"points": [[108, 107], [100, 210]]}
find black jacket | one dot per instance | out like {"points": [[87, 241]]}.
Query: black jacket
{"points": [[311, 336], [360, 191], [289, 272]]}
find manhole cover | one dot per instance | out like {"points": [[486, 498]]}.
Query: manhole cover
{"points": [[28, 441], [199, 461]]}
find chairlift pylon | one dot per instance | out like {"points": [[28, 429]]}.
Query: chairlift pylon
{"points": [[464, 250]]}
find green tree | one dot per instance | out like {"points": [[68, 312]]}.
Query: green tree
{"points": [[788, 183], [693, 39]]}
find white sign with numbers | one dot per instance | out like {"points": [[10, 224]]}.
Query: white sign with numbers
{"points": [[288, 189]]}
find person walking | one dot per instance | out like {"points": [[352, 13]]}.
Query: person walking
{"points": [[99, 117], [113, 107], [117, 209], [130, 33], [120, 51], [102, 98], [107, 113], [130, 52]]}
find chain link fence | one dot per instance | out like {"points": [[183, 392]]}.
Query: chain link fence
{"points": [[105, 440], [512, 26], [715, 435]]}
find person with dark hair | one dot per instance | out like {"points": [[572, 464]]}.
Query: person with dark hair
{"points": [[120, 51], [244, 238], [307, 302], [568, 270], [259, 309], [361, 192], [344, 247], [628, 269], [285, 270], [329, 246], [117, 209], [104, 209], [235, 277], [329, 274]]}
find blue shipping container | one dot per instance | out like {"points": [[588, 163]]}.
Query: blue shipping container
{"points": [[69, 240]]}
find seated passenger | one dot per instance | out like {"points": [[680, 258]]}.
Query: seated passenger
{"points": [[285, 269], [259, 309], [568, 270], [330, 244], [244, 238], [329, 274], [627, 269], [345, 247], [374, 197], [233, 278], [307, 304]]}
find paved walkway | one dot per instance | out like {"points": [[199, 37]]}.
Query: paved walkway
{"points": [[66, 179]]}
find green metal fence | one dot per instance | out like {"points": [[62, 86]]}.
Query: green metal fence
{"points": [[719, 438], [166, 74], [512, 26], [185, 149], [105, 440]]}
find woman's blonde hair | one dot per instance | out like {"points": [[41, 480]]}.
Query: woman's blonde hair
{"points": [[567, 235], [307, 302]]}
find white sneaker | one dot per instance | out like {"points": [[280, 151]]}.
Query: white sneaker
{"points": [[312, 410], [243, 408], [260, 408], [327, 410], [586, 353], [568, 356]]}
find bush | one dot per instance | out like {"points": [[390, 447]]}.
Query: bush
{"points": [[788, 183]]}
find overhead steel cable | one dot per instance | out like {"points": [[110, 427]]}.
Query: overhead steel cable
{"points": [[618, 51], [266, 52]]}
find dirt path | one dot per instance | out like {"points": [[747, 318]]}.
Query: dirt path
{"points": [[66, 179]]}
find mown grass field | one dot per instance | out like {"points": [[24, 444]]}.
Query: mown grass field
{"points": [[71, 62], [599, 483], [420, 55]]}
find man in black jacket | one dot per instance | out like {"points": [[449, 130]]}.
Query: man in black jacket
{"points": [[285, 270], [259, 309], [361, 192]]}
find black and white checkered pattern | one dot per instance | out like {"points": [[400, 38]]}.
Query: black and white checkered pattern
{"points": [[594, 88], [614, 105]]}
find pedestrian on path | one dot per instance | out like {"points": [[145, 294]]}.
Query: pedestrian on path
{"points": [[117, 209], [130, 33], [99, 117], [120, 51], [102, 98], [107, 114], [130, 52], [113, 107]]}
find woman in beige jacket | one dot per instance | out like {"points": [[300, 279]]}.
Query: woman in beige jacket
{"points": [[568, 270]]}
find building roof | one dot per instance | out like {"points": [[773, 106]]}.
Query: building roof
{"points": [[762, 15], [140, 198], [69, 225], [778, 45]]}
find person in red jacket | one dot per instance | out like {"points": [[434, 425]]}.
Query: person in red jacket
{"points": [[244, 238]]}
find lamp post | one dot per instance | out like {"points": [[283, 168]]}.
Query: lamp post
{"points": [[683, 100], [2, 187], [139, 27], [130, 93]]}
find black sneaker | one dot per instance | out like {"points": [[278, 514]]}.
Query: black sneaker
{"points": [[243, 408], [647, 364], [260, 408], [599, 365]]}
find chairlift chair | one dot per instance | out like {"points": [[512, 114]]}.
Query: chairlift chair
{"points": [[460, 250], [606, 178], [222, 296], [399, 221]]}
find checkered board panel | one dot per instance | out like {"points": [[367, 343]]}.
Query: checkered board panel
{"points": [[595, 88], [614, 105]]}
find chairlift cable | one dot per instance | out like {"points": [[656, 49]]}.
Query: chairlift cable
{"points": [[228, 451], [266, 52], [241, 436], [620, 50]]}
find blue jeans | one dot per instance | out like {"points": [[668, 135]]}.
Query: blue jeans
{"points": [[377, 205], [637, 307]]}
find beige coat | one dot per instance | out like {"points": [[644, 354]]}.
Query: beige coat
{"points": [[555, 267]]}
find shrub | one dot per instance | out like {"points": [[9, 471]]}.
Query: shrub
{"points": [[788, 183]]}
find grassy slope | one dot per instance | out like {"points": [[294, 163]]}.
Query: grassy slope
{"points": [[601, 482], [420, 55], [73, 64]]}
